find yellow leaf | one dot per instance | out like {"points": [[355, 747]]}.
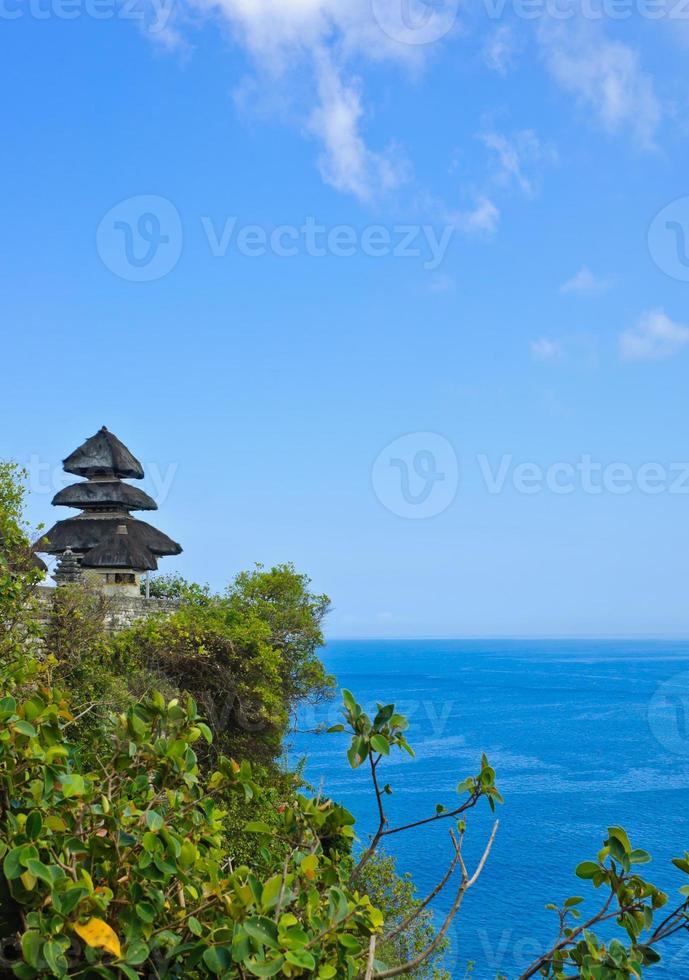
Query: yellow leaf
{"points": [[28, 881], [99, 935], [309, 866]]}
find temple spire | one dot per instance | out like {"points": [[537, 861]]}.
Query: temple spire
{"points": [[104, 537]]}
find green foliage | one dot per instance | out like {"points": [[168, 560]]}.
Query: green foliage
{"points": [[131, 847], [83, 663], [395, 895], [630, 901], [122, 871], [19, 625], [249, 656]]}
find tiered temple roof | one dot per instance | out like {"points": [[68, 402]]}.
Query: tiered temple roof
{"points": [[104, 534]]}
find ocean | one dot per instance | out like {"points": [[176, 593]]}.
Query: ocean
{"points": [[583, 735]]}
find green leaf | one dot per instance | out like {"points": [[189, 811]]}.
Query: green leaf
{"points": [[257, 827], [194, 926], [11, 866], [263, 930], [574, 900], [39, 870], [136, 953], [154, 821], [31, 947], [380, 744], [34, 825], [620, 834], [218, 959], [72, 785], [205, 731], [52, 953], [145, 911], [638, 856], [264, 968], [8, 707], [302, 958], [24, 728], [587, 869]]}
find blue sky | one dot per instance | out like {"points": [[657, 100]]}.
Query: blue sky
{"points": [[412, 430]]}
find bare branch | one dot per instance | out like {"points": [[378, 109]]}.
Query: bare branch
{"points": [[464, 886], [427, 901]]}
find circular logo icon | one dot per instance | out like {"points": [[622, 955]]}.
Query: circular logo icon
{"points": [[668, 714], [668, 239], [415, 21], [417, 475], [140, 239]]}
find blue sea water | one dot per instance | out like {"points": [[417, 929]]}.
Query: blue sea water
{"points": [[583, 735]]}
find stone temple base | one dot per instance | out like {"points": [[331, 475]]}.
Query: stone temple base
{"points": [[123, 610]]}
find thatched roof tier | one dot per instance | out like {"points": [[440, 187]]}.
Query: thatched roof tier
{"points": [[104, 455], [119, 549], [81, 534], [101, 494]]}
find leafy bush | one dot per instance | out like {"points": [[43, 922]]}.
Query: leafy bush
{"points": [[249, 656]]}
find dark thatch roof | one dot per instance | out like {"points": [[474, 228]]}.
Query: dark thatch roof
{"points": [[81, 534], [104, 455], [119, 549], [104, 493]]}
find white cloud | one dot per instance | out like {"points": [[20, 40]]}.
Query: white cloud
{"points": [[604, 76], [655, 336], [346, 162], [303, 49], [500, 49], [547, 350], [483, 218], [585, 282], [515, 155]]}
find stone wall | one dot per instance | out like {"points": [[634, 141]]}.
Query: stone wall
{"points": [[123, 611]]}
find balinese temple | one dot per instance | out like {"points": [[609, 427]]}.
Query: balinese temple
{"points": [[104, 538]]}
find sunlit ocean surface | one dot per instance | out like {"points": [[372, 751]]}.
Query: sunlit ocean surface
{"points": [[583, 735]]}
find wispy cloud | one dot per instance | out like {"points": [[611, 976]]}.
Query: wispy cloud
{"points": [[500, 49], [346, 162], [308, 53], [483, 218], [604, 76], [655, 336], [545, 349], [585, 282], [516, 155]]}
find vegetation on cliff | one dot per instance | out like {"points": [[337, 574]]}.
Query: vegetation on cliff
{"points": [[147, 828]]}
